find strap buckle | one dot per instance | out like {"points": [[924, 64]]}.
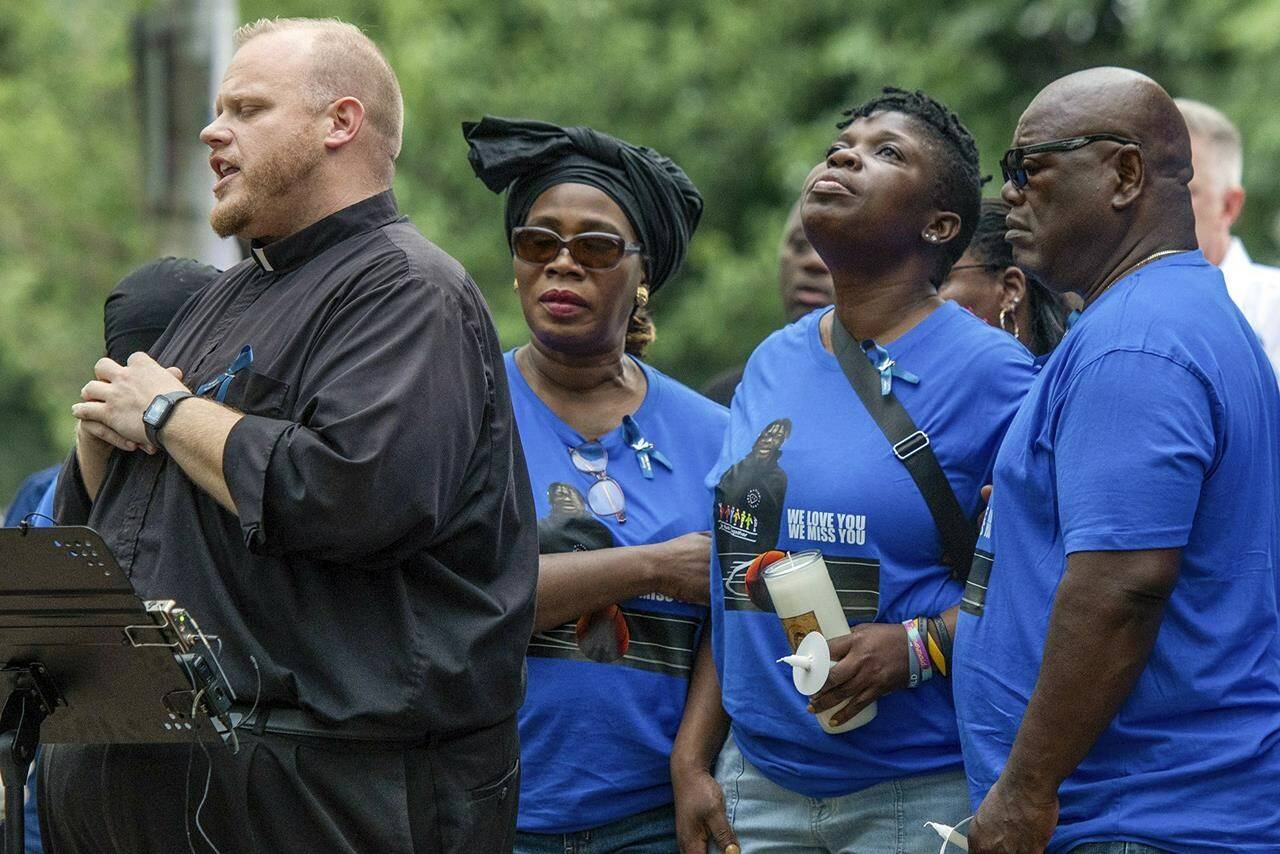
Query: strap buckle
{"points": [[913, 444]]}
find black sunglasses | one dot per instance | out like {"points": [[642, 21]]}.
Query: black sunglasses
{"points": [[1013, 164], [593, 250]]}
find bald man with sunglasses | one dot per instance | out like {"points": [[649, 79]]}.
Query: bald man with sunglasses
{"points": [[1117, 665]]}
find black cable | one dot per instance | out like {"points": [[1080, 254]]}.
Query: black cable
{"points": [[208, 779], [195, 739], [24, 524], [186, 800], [257, 695]]}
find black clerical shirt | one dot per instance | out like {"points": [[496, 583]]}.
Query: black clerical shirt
{"points": [[382, 566]]}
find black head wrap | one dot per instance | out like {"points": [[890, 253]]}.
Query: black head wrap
{"points": [[144, 302], [528, 157]]}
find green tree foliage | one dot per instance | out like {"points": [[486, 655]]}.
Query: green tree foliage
{"points": [[69, 215], [743, 93]]}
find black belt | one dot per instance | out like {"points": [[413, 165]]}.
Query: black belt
{"points": [[295, 722], [299, 724]]}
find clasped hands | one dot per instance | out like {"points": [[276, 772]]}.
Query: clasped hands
{"points": [[113, 402]]}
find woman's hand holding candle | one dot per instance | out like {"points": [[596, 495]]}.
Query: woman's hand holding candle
{"points": [[870, 661]]}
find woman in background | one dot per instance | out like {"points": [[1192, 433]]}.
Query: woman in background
{"points": [[987, 282]]}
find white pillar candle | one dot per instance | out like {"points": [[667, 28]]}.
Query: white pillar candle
{"points": [[806, 601]]}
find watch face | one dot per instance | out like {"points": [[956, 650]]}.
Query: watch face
{"points": [[154, 411]]}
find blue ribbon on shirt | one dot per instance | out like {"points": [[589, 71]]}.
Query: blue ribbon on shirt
{"points": [[219, 384], [886, 367], [645, 450]]}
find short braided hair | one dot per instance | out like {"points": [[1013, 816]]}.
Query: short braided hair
{"points": [[957, 180]]}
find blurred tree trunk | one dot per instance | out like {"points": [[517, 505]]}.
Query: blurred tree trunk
{"points": [[181, 52]]}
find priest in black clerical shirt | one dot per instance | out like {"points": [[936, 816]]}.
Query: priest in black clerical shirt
{"points": [[327, 475]]}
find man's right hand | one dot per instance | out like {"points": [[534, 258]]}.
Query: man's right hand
{"points": [[95, 441], [682, 567], [700, 815]]}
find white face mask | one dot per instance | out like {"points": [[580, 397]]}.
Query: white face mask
{"points": [[950, 835]]}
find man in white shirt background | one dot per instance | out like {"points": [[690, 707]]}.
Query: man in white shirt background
{"points": [[1217, 197]]}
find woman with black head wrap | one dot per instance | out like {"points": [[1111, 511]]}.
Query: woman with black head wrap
{"points": [[616, 453]]}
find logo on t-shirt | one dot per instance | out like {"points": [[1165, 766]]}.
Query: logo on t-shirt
{"points": [[737, 522], [975, 587]]}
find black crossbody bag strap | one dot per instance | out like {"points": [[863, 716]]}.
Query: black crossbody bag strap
{"points": [[910, 444]]}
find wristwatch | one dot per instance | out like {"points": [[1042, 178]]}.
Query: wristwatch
{"points": [[158, 412]]}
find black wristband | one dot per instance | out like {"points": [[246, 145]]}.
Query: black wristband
{"points": [[159, 411], [944, 638]]}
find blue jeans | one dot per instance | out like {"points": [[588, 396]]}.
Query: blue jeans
{"points": [[651, 832], [887, 818], [1116, 848]]}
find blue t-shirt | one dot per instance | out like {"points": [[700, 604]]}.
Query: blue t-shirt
{"points": [[31, 815], [27, 498], [804, 466], [595, 733], [1153, 425]]}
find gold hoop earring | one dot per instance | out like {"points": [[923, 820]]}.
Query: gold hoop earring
{"points": [[642, 296], [515, 285], [1005, 314]]}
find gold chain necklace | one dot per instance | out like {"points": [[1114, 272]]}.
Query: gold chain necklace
{"points": [[1126, 271]]}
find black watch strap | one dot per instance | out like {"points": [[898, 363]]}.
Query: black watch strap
{"points": [[159, 411]]}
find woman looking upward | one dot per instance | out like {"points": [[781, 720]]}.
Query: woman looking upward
{"points": [[617, 453], [890, 209]]}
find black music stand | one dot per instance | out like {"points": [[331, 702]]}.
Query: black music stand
{"points": [[83, 660]]}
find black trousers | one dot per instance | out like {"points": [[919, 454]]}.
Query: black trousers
{"points": [[282, 794]]}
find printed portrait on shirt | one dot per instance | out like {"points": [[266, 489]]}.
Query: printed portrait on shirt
{"points": [[570, 526], [748, 510], [602, 635], [619, 634]]}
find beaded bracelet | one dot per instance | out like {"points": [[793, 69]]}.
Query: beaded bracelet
{"points": [[917, 656]]}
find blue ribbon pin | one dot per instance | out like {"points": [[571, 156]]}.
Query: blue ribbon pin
{"points": [[645, 450], [218, 385], [886, 367]]}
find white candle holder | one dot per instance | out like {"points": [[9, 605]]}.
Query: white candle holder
{"points": [[806, 601]]}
